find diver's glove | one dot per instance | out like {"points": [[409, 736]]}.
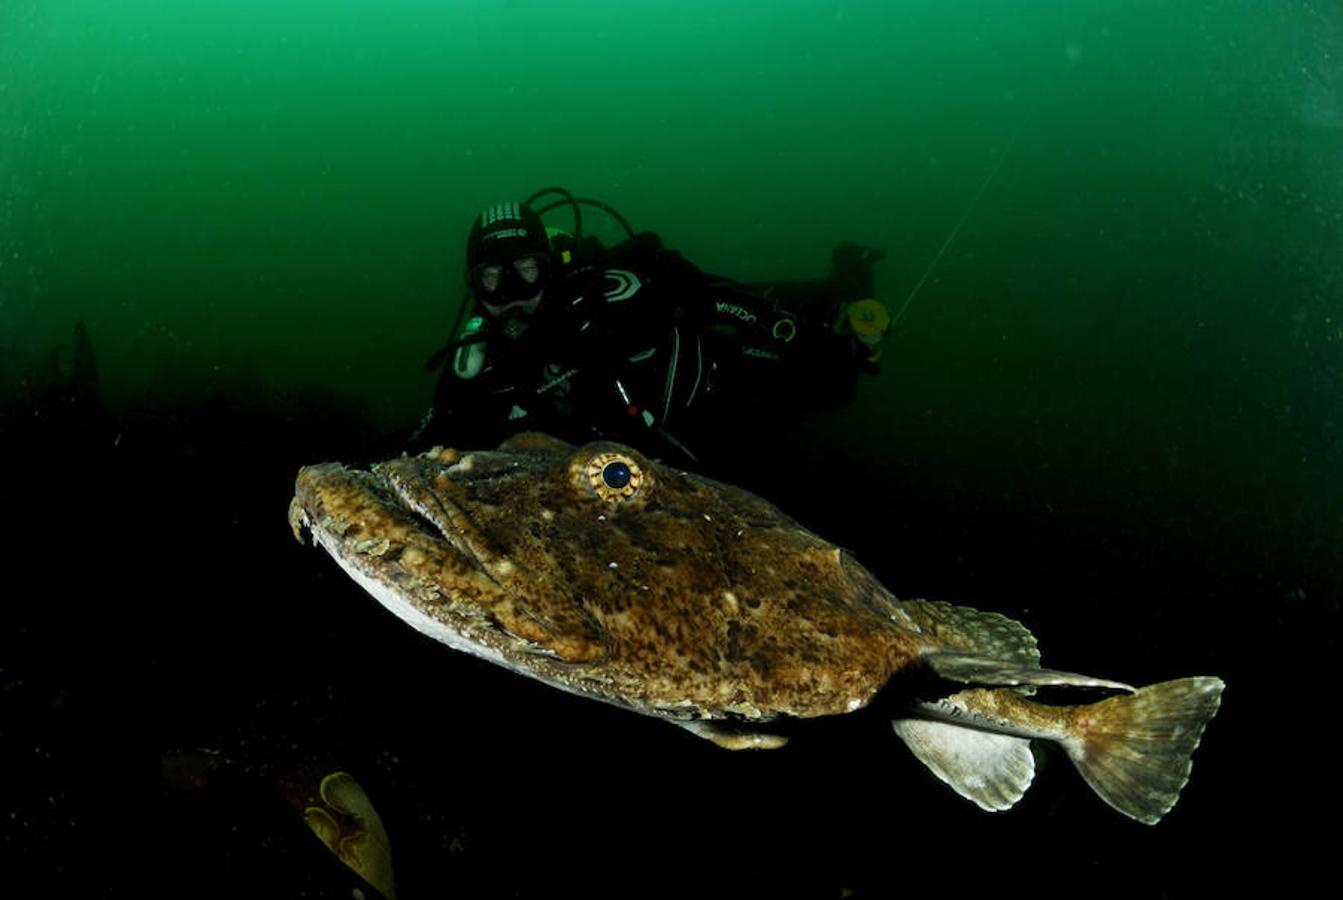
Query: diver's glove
{"points": [[868, 321]]}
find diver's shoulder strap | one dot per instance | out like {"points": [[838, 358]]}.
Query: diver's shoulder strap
{"points": [[467, 349]]}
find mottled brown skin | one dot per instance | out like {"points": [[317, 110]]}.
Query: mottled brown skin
{"points": [[598, 572], [686, 599]]}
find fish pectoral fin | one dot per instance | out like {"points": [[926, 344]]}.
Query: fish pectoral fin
{"points": [[732, 739], [972, 668], [991, 770]]}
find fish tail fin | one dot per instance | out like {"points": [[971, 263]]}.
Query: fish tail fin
{"points": [[1134, 750]]}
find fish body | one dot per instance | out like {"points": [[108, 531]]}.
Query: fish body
{"points": [[600, 572]]}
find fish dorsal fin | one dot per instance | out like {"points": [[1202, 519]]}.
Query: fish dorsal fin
{"points": [[992, 770], [989, 648], [984, 634], [971, 668]]}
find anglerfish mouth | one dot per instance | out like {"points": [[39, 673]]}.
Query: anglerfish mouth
{"points": [[403, 532], [383, 513]]}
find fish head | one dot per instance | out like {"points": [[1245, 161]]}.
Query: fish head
{"points": [[509, 547], [598, 570]]}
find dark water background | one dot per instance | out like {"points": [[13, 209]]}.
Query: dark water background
{"points": [[1112, 412]]}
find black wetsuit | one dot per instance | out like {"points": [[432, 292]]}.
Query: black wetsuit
{"points": [[635, 344]]}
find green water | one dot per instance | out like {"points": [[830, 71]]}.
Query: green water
{"points": [[1112, 409], [275, 195]]}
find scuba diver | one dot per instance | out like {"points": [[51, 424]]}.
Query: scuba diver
{"points": [[633, 343]]}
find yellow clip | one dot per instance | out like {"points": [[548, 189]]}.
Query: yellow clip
{"points": [[869, 319]]}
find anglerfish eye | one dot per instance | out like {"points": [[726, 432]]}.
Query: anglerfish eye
{"points": [[614, 476]]}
